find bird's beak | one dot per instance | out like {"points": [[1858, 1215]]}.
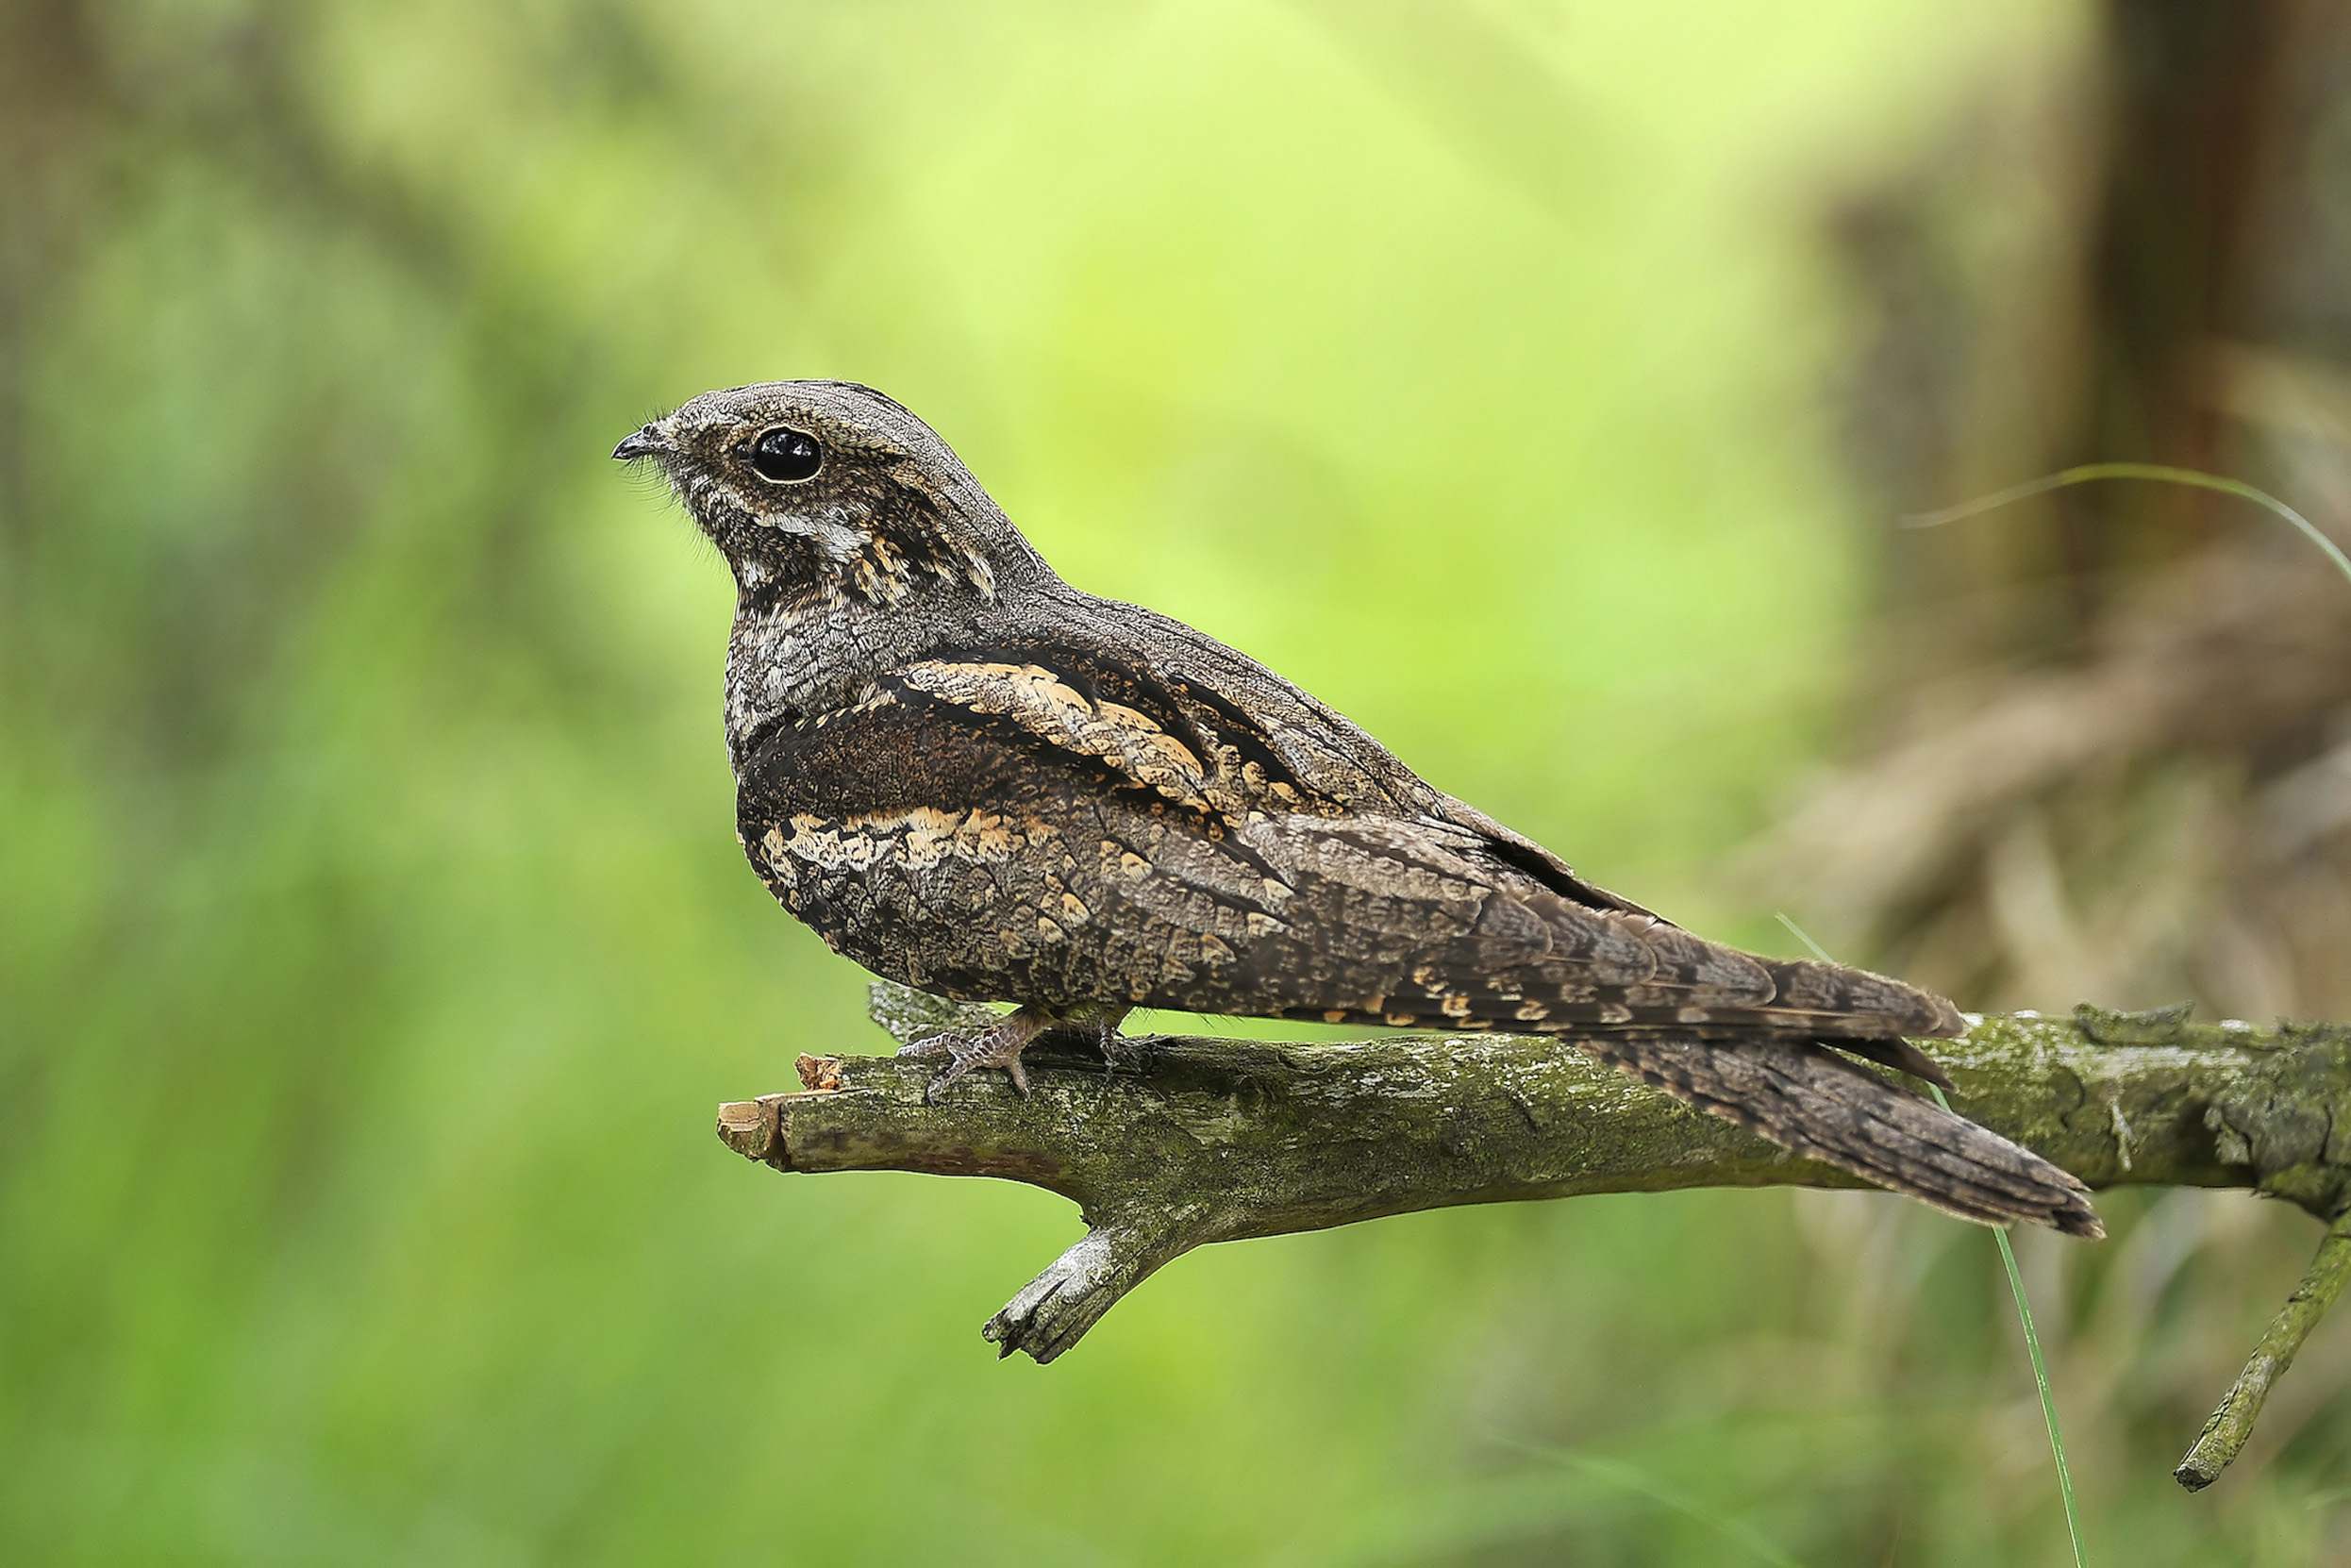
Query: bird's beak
{"points": [[647, 442]]}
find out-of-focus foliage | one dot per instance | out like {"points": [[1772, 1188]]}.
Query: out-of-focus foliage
{"points": [[372, 944], [2158, 270]]}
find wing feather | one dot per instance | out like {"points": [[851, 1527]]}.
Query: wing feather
{"points": [[1256, 898]]}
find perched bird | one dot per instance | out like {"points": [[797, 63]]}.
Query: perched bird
{"points": [[978, 780]]}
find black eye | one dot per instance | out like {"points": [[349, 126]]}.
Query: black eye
{"points": [[784, 454]]}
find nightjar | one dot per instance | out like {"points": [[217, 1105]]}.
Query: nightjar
{"points": [[973, 778]]}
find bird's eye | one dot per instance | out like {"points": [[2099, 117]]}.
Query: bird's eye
{"points": [[784, 455]]}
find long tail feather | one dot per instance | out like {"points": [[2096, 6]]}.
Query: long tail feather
{"points": [[1820, 1105]]}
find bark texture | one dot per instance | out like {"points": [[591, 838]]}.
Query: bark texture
{"points": [[1185, 1140]]}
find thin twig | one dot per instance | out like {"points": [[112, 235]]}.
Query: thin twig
{"points": [[2232, 1422]]}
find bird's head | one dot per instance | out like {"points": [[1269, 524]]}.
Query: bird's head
{"points": [[830, 485]]}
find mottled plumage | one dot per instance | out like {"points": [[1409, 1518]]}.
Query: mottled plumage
{"points": [[971, 777]]}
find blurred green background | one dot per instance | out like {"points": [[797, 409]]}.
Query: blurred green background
{"points": [[374, 944]]}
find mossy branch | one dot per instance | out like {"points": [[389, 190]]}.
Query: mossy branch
{"points": [[1184, 1141]]}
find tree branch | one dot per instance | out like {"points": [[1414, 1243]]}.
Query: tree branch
{"points": [[1184, 1141]]}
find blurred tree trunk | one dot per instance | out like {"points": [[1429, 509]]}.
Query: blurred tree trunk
{"points": [[2144, 262], [2192, 129]]}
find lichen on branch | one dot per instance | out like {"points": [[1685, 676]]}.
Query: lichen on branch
{"points": [[1181, 1140]]}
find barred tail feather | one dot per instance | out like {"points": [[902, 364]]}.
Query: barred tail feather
{"points": [[1817, 1104]]}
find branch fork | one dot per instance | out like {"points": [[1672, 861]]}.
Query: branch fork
{"points": [[1181, 1140]]}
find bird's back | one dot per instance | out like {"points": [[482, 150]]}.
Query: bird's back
{"points": [[971, 778], [1196, 833]]}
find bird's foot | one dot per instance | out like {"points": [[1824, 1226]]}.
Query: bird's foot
{"points": [[1130, 1053], [1001, 1045], [1096, 1024]]}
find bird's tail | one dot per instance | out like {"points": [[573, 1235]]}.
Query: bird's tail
{"points": [[1820, 1105]]}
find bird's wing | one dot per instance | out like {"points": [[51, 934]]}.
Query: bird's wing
{"points": [[988, 829], [1536, 958], [1204, 736], [1186, 829]]}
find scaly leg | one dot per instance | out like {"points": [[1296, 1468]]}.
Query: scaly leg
{"points": [[1001, 1045]]}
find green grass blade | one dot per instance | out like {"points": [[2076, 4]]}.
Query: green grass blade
{"points": [[2158, 471], [1797, 931], [2041, 1377], [2007, 1251]]}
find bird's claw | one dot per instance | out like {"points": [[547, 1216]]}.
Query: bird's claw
{"points": [[999, 1046]]}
